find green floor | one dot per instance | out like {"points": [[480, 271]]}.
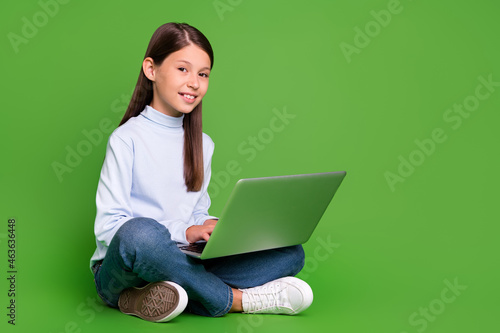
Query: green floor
{"points": [[403, 95]]}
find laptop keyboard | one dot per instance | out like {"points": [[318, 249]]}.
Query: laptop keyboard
{"points": [[196, 247]]}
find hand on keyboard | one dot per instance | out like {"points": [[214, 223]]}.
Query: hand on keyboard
{"points": [[196, 247]]}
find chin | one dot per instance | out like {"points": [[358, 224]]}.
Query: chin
{"points": [[186, 111]]}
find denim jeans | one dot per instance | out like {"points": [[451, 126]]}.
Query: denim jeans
{"points": [[142, 251]]}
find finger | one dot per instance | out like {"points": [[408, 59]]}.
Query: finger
{"points": [[206, 236]]}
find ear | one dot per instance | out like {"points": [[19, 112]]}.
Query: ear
{"points": [[149, 69]]}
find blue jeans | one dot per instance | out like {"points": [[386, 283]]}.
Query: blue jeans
{"points": [[142, 251]]}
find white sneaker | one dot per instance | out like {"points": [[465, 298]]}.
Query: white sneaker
{"points": [[287, 295], [157, 301]]}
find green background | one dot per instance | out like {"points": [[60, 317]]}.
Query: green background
{"points": [[391, 249]]}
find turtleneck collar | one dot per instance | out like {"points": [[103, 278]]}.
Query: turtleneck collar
{"points": [[161, 118]]}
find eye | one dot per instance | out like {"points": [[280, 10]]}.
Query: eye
{"points": [[182, 69], [204, 75]]}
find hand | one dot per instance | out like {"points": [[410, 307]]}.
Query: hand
{"points": [[210, 222], [199, 232]]}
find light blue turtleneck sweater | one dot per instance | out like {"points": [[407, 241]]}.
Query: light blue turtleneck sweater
{"points": [[142, 176]]}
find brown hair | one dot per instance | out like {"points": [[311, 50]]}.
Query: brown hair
{"points": [[169, 38]]}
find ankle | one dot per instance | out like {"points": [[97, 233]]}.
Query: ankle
{"points": [[237, 301]]}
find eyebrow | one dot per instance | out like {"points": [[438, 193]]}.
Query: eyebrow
{"points": [[187, 62]]}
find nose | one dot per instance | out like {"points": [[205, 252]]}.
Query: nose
{"points": [[193, 82]]}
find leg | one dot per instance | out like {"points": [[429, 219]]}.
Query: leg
{"points": [[269, 272], [141, 252], [254, 269]]}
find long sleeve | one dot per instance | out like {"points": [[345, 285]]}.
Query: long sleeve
{"points": [[113, 190]]}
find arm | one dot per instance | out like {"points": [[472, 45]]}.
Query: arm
{"points": [[113, 190]]}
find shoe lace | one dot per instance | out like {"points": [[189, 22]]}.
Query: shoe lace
{"points": [[263, 298]]}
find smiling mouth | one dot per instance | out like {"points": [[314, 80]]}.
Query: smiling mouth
{"points": [[188, 96]]}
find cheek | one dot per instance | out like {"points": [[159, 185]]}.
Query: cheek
{"points": [[167, 81], [204, 88]]}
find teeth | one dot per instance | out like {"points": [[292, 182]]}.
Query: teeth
{"points": [[189, 96]]}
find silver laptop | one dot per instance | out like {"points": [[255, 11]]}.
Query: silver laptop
{"points": [[267, 213]]}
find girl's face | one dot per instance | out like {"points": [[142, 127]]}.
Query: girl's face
{"points": [[180, 82]]}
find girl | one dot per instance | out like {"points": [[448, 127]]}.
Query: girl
{"points": [[152, 193]]}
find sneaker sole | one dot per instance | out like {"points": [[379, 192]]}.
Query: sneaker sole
{"points": [[157, 302]]}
